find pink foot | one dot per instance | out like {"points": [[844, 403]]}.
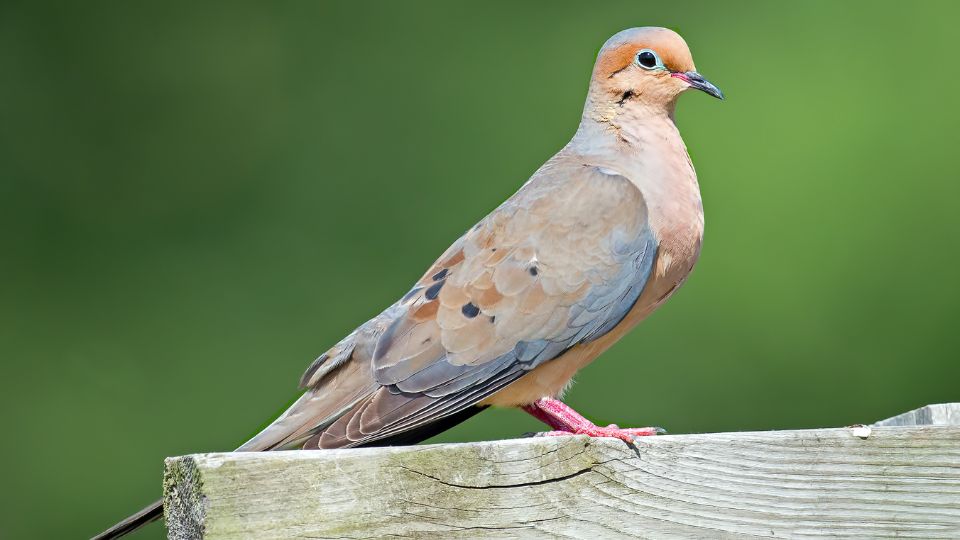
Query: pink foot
{"points": [[566, 421]]}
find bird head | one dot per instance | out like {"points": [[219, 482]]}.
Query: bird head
{"points": [[648, 66]]}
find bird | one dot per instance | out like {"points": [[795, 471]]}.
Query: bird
{"points": [[601, 235]]}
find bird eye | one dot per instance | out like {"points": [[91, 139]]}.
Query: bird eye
{"points": [[648, 59]]}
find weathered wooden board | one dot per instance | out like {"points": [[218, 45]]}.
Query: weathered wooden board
{"points": [[940, 414], [896, 481]]}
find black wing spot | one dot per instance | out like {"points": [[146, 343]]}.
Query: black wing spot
{"points": [[469, 310], [440, 275], [534, 270], [434, 290]]}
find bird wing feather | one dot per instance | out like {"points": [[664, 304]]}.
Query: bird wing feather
{"points": [[558, 264]]}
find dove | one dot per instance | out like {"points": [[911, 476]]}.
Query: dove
{"points": [[599, 237]]}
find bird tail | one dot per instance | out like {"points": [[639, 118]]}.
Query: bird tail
{"points": [[282, 433], [335, 385], [147, 515]]}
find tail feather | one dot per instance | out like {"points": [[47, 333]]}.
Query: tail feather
{"points": [[280, 432], [333, 392], [155, 511], [149, 514]]}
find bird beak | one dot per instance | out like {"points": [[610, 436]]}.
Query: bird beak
{"points": [[696, 80]]}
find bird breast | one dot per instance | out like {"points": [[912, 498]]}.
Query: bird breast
{"points": [[675, 213]]}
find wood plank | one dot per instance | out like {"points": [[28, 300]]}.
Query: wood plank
{"points": [[940, 414], [896, 481]]}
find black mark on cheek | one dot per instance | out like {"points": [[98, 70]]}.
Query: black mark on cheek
{"points": [[626, 95]]}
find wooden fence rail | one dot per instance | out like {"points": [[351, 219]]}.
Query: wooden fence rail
{"points": [[899, 477]]}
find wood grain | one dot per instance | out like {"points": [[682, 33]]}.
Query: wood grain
{"points": [[897, 481], [940, 414]]}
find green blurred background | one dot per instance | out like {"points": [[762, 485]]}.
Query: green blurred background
{"points": [[197, 199]]}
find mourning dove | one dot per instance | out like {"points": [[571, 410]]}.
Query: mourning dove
{"points": [[603, 233]]}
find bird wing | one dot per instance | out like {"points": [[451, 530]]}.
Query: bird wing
{"points": [[560, 263]]}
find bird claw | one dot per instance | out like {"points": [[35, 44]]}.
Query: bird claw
{"points": [[624, 434], [567, 421]]}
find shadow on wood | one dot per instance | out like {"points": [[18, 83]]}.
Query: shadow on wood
{"points": [[854, 482]]}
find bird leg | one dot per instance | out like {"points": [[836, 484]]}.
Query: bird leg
{"points": [[566, 421]]}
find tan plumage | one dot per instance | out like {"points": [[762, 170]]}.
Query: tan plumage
{"points": [[592, 243], [597, 238]]}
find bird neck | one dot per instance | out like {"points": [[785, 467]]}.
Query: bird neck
{"points": [[632, 133], [643, 144]]}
